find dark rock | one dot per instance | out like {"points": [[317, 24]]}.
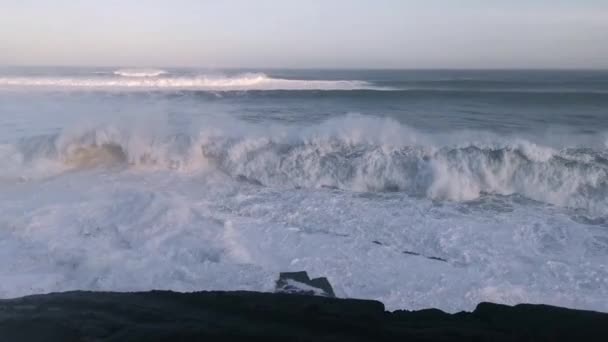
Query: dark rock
{"points": [[436, 258], [544, 322], [428, 257], [330, 187], [247, 316], [245, 179], [300, 283], [391, 188]]}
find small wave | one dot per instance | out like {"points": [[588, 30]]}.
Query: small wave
{"points": [[243, 82], [140, 72]]}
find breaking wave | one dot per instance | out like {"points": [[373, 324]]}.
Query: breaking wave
{"points": [[148, 80], [140, 72], [353, 153]]}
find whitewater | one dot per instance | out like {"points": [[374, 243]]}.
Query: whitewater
{"points": [[417, 188]]}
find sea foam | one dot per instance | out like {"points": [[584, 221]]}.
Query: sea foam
{"points": [[147, 80], [353, 153], [140, 72]]}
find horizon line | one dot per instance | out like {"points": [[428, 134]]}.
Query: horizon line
{"points": [[354, 68]]}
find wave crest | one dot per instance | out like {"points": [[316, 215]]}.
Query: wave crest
{"points": [[457, 174], [93, 156], [148, 81], [140, 72], [352, 154]]}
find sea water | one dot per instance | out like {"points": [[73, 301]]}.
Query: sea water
{"points": [[417, 188]]}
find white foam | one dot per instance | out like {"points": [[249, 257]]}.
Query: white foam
{"points": [[131, 206], [354, 153], [140, 72], [146, 81], [132, 230]]}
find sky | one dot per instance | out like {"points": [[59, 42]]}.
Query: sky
{"points": [[306, 33]]}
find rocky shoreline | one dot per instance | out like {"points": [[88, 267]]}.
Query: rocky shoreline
{"points": [[172, 316]]}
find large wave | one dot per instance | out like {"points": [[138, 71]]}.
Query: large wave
{"points": [[353, 153], [148, 80]]}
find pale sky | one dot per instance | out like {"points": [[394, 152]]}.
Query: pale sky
{"points": [[306, 33]]}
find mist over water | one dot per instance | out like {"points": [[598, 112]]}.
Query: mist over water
{"points": [[136, 179]]}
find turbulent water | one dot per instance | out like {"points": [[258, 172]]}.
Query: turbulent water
{"points": [[416, 188]]}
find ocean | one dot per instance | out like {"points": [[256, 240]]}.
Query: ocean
{"points": [[419, 188]]}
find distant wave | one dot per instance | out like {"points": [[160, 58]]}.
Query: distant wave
{"points": [[354, 153], [145, 81], [160, 80], [140, 72]]}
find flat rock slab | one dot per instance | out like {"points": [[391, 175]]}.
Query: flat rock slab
{"points": [[172, 316]]}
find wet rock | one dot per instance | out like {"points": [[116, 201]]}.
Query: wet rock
{"points": [[245, 179], [300, 283], [252, 316], [436, 258]]}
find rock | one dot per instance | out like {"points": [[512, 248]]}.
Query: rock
{"points": [[245, 179], [252, 316], [436, 258], [300, 283]]}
